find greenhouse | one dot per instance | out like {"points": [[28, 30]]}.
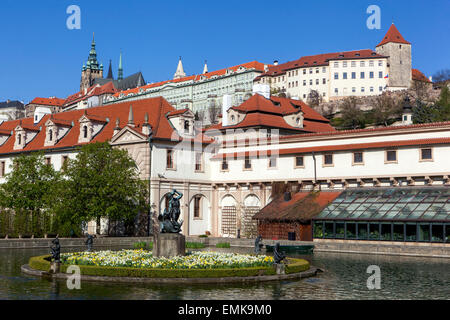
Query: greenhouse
{"points": [[390, 214]]}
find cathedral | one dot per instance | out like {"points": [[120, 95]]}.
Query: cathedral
{"points": [[92, 74]]}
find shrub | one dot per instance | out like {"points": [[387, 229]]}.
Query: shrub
{"points": [[195, 245], [223, 245], [203, 236], [143, 245]]}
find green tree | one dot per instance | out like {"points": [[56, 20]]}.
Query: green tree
{"points": [[28, 191], [386, 110], [102, 182]]}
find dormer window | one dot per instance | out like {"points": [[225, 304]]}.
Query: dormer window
{"points": [[85, 132], [19, 139]]}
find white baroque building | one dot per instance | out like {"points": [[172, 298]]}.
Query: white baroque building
{"points": [[225, 173], [198, 92], [342, 74]]}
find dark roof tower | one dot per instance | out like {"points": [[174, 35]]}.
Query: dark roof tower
{"points": [[110, 74]]}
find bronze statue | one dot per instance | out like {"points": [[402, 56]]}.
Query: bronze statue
{"points": [[89, 242], [258, 244], [169, 219], [56, 250], [278, 256]]}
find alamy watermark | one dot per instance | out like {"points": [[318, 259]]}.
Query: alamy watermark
{"points": [[374, 20], [74, 280], [374, 281], [74, 20]]}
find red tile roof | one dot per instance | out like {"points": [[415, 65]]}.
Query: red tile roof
{"points": [[48, 101], [319, 60], [177, 112], [157, 108], [419, 76], [302, 207], [393, 35], [249, 65], [262, 112], [95, 90]]}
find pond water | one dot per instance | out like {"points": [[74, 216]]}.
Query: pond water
{"points": [[345, 277]]}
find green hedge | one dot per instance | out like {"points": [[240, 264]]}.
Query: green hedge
{"points": [[298, 265], [194, 245], [223, 245]]}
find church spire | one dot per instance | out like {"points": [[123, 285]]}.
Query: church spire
{"points": [[120, 72], [110, 74], [180, 72], [205, 68]]}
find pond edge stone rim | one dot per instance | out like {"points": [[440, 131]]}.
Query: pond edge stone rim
{"points": [[312, 271]]}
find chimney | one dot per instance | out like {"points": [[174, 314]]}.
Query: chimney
{"points": [[117, 128], [275, 62], [146, 128]]}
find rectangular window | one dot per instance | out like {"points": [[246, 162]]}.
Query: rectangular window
{"points": [[197, 201], [310, 82], [310, 71], [336, 91], [371, 75], [169, 159], [317, 70], [424, 232], [380, 63], [380, 88], [391, 155], [353, 63], [371, 63], [317, 81], [344, 75], [328, 159], [272, 162], [318, 229], [224, 165], [304, 82], [353, 89], [299, 162], [357, 157], [344, 64], [411, 232], [386, 231], [426, 154], [336, 75], [198, 161], [324, 69], [362, 89], [324, 81], [247, 163], [351, 230], [374, 231], [329, 230], [371, 89], [380, 74], [437, 233], [340, 230], [353, 75], [48, 160], [362, 231], [336, 64], [362, 75], [398, 232], [362, 64], [2, 168], [304, 71]]}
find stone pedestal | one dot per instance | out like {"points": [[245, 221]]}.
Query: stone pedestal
{"points": [[280, 268], [55, 267], [169, 245]]}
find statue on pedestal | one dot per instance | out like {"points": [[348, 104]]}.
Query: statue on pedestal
{"points": [[169, 218], [278, 256], [56, 250], [89, 242], [258, 244]]}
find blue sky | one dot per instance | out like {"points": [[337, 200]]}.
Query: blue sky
{"points": [[40, 57]]}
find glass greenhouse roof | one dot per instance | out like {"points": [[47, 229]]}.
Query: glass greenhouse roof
{"points": [[410, 203]]}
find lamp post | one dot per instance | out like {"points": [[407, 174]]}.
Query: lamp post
{"points": [[150, 206]]}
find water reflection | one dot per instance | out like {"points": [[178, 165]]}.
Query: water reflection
{"points": [[344, 278]]}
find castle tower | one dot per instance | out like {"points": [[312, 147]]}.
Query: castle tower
{"points": [[180, 72], [91, 70], [110, 74], [398, 50]]}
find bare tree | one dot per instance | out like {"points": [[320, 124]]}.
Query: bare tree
{"points": [[442, 75], [314, 99], [214, 111], [386, 108]]}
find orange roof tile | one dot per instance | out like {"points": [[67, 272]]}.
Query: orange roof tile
{"points": [[393, 35], [48, 101], [419, 76]]}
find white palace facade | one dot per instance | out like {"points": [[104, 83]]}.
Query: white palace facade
{"points": [[348, 73], [225, 172]]}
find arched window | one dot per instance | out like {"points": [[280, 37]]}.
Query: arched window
{"points": [[186, 126], [85, 131], [50, 135]]}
